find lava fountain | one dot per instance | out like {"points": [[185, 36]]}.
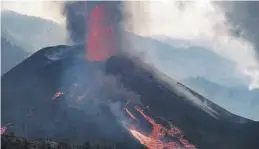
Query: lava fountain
{"points": [[101, 37]]}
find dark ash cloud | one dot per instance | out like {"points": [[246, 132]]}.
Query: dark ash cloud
{"points": [[77, 13], [243, 16]]}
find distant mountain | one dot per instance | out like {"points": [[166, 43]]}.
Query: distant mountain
{"points": [[11, 55], [181, 62], [31, 33], [238, 100]]}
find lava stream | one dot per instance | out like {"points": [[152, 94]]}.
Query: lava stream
{"points": [[130, 114], [159, 132], [3, 130], [57, 94]]}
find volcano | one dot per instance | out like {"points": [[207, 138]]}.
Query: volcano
{"points": [[57, 93], [100, 93]]}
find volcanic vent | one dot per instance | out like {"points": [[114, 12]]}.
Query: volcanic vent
{"points": [[102, 38]]}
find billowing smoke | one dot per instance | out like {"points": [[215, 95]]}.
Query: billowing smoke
{"points": [[77, 14], [206, 24], [215, 26], [227, 28], [244, 20]]}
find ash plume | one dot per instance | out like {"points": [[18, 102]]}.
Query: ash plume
{"points": [[101, 90], [77, 13], [242, 16], [244, 19]]}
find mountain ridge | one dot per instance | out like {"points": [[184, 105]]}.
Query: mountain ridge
{"points": [[11, 55], [32, 33]]}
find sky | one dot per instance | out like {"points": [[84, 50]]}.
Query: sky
{"points": [[35, 8], [199, 23]]}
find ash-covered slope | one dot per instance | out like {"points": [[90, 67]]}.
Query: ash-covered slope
{"points": [[31, 108], [56, 93], [203, 122]]}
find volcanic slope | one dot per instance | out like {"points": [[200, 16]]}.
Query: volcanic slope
{"points": [[57, 93]]}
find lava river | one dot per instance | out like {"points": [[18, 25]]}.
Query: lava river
{"points": [[156, 139], [160, 137], [142, 126]]}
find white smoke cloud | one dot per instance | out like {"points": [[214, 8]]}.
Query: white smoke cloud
{"points": [[201, 23]]}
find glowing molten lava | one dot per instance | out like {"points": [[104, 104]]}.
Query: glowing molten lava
{"points": [[101, 40], [3, 130], [57, 94], [159, 132], [130, 114]]}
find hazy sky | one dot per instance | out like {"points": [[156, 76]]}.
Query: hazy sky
{"points": [[43, 9]]}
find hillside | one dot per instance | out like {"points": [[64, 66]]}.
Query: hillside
{"points": [[239, 100], [11, 55], [31, 33]]}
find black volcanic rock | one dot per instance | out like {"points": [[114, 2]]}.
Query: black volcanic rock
{"points": [[84, 110], [28, 104], [204, 123]]}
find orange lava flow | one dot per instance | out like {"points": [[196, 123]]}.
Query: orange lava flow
{"points": [[3, 130], [153, 140], [101, 40], [130, 114], [57, 94]]}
